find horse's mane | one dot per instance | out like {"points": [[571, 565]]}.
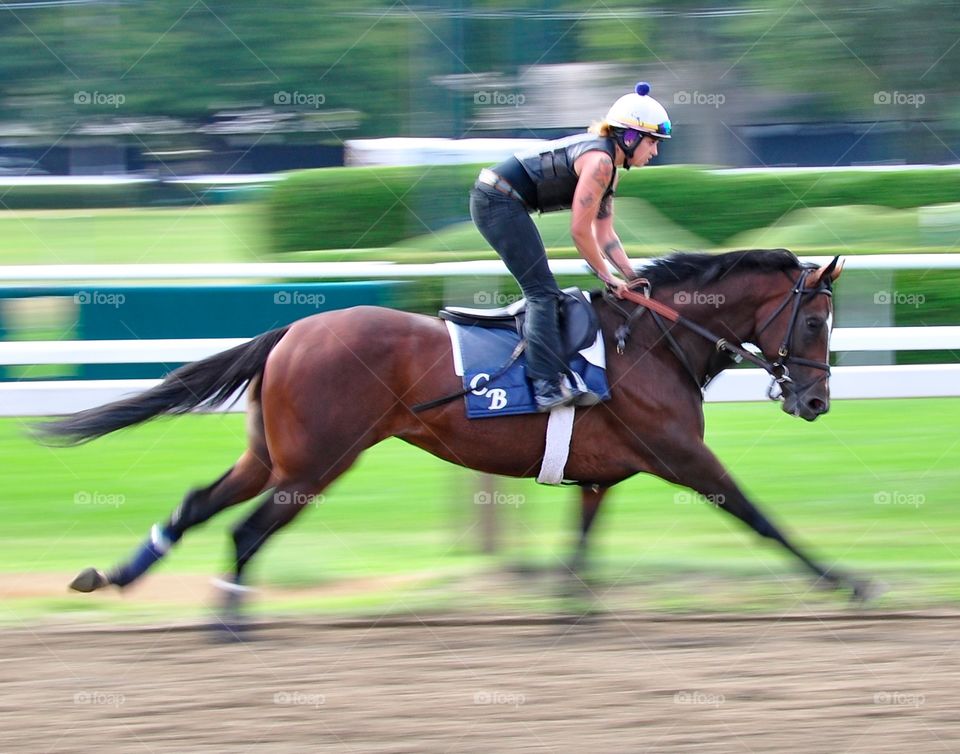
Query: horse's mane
{"points": [[703, 268]]}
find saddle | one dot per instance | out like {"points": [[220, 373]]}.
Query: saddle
{"points": [[578, 320]]}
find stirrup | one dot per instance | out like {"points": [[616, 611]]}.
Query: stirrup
{"points": [[550, 394]]}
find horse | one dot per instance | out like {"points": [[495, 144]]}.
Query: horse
{"points": [[322, 390]]}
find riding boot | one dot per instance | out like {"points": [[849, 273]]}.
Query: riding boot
{"points": [[580, 394], [549, 394]]}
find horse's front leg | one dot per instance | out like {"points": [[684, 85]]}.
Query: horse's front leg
{"points": [[590, 498], [704, 474]]}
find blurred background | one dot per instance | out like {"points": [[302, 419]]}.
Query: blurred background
{"points": [[180, 88], [202, 131]]}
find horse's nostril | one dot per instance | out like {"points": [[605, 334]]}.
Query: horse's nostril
{"points": [[818, 405]]}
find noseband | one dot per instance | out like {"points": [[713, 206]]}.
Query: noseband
{"points": [[778, 370], [784, 357]]}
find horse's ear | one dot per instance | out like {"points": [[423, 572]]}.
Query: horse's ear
{"points": [[829, 272], [837, 268]]}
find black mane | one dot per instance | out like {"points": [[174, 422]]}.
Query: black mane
{"points": [[703, 268]]}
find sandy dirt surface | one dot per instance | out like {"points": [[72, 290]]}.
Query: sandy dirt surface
{"points": [[629, 683]]}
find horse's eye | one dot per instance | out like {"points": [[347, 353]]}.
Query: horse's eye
{"points": [[814, 323]]}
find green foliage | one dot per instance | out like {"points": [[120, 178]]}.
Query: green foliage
{"points": [[73, 197], [717, 206], [389, 62], [126, 195], [363, 207], [644, 230]]}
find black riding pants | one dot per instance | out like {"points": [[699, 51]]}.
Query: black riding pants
{"points": [[507, 226]]}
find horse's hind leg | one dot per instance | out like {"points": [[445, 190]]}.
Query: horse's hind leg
{"points": [[245, 479], [276, 510]]}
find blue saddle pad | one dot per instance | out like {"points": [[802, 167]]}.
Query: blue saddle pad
{"points": [[480, 352]]}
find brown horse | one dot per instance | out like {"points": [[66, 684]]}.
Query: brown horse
{"points": [[327, 387]]}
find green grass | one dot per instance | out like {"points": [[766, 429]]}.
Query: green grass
{"points": [[235, 233], [638, 223], [228, 233], [928, 229], [400, 511]]}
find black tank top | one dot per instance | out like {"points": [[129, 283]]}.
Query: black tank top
{"points": [[545, 177]]}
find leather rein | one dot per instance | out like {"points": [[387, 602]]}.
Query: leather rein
{"points": [[778, 370]]}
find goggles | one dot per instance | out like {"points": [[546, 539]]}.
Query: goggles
{"points": [[662, 130]]}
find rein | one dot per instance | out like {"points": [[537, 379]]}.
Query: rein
{"points": [[778, 370]]}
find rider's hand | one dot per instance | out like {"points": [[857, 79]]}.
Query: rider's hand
{"points": [[616, 286]]}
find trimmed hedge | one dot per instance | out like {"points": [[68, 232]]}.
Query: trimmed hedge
{"points": [[336, 208], [72, 197], [719, 206], [339, 208], [146, 194]]}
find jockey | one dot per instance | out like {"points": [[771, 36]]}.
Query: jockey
{"points": [[580, 173]]}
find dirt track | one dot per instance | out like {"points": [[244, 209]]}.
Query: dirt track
{"points": [[618, 684]]}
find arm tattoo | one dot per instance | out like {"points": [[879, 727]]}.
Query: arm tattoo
{"points": [[606, 207], [612, 246], [603, 173]]}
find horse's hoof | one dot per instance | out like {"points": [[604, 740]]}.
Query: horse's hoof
{"points": [[230, 624], [866, 590], [229, 630], [89, 580]]}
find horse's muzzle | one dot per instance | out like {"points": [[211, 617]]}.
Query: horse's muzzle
{"points": [[807, 404]]}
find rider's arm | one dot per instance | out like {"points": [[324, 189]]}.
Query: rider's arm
{"points": [[596, 170], [609, 241]]}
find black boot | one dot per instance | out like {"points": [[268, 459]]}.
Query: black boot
{"points": [[550, 393]]}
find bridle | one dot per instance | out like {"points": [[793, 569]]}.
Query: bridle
{"points": [[796, 296], [778, 370]]}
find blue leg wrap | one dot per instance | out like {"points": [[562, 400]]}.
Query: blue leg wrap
{"points": [[161, 539]]}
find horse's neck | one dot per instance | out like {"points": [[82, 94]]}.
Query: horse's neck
{"points": [[728, 318]]}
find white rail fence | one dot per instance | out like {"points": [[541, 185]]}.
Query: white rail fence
{"points": [[65, 273], [58, 397]]}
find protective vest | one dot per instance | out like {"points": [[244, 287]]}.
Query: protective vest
{"points": [[550, 169]]}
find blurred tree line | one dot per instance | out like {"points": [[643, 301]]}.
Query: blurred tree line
{"points": [[382, 61]]}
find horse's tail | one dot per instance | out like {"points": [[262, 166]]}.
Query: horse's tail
{"points": [[209, 383]]}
